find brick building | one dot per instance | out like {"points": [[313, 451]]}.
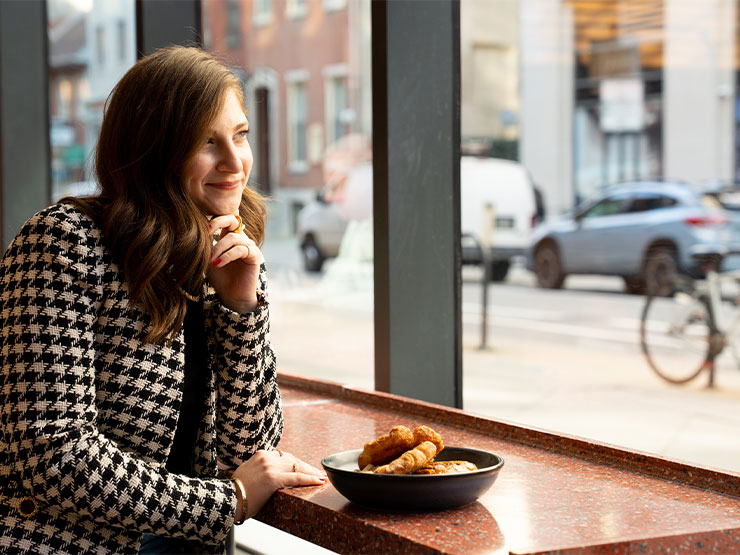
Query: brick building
{"points": [[306, 71]]}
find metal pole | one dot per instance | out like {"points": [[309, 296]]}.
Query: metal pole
{"points": [[486, 241]]}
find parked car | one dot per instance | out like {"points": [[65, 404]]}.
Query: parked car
{"points": [[642, 231], [320, 229], [499, 206]]}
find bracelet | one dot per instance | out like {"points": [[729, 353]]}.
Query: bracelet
{"points": [[241, 492]]}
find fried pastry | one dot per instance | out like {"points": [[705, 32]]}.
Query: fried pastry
{"points": [[386, 447], [411, 461], [425, 433], [446, 467]]}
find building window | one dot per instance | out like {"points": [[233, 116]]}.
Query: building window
{"points": [[334, 5], [64, 99], [335, 108], [122, 47], [233, 20], [262, 13], [100, 44], [296, 9], [297, 116]]}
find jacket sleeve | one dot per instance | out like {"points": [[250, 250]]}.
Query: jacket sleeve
{"points": [[249, 414], [51, 289]]}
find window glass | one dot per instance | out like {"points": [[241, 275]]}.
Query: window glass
{"points": [[233, 22], [336, 113], [296, 8], [262, 12], [306, 73], [91, 45], [585, 94], [607, 207], [645, 202], [297, 125]]}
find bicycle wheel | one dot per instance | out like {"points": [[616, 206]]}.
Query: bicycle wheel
{"points": [[678, 336]]}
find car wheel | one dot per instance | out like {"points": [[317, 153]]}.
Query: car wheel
{"points": [[660, 272], [547, 267], [313, 260], [498, 270]]}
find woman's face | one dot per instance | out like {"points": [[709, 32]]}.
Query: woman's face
{"points": [[217, 173]]}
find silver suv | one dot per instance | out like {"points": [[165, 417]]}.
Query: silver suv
{"points": [[642, 231]]}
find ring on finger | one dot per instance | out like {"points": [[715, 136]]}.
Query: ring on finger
{"points": [[295, 467], [280, 452]]}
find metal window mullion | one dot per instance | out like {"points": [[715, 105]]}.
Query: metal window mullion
{"points": [[416, 159], [25, 150]]}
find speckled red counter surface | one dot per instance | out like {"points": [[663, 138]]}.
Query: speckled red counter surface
{"points": [[554, 493]]}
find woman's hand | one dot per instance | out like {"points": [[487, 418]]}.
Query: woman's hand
{"points": [[267, 471], [235, 265]]}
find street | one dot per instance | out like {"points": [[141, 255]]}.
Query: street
{"points": [[566, 360]]}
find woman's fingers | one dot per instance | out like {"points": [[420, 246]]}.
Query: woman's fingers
{"points": [[222, 224], [267, 471], [301, 467], [293, 464], [235, 246]]}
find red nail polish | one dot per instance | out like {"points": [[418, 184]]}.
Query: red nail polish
{"points": [[217, 262]]}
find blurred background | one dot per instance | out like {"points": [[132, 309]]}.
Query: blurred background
{"points": [[598, 136]]}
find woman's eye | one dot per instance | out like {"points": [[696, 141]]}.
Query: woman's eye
{"points": [[243, 133]]}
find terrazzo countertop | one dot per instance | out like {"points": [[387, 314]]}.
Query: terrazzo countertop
{"points": [[553, 494]]}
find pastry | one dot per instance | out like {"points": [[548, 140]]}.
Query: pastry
{"points": [[425, 433], [387, 447], [446, 467], [411, 461]]}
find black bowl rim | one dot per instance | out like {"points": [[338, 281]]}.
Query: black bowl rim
{"points": [[372, 476]]}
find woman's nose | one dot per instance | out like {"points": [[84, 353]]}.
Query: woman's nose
{"points": [[229, 160]]}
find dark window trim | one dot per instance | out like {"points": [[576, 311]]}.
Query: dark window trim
{"points": [[416, 202]]}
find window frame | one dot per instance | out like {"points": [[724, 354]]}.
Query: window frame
{"points": [[296, 137]]}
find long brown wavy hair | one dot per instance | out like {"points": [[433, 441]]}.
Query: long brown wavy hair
{"points": [[154, 120]]}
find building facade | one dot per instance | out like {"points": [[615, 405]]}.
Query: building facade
{"points": [[305, 66]]}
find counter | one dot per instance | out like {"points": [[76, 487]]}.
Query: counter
{"points": [[554, 493]]}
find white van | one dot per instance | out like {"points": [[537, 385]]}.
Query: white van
{"points": [[497, 205], [498, 210]]}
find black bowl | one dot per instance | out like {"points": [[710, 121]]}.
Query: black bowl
{"points": [[415, 492]]}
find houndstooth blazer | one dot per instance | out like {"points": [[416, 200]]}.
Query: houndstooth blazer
{"points": [[88, 409]]}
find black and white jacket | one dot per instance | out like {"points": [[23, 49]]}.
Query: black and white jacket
{"points": [[88, 409]]}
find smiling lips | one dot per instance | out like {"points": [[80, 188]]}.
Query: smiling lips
{"points": [[224, 185]]}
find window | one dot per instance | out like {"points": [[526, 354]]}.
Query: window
{"points": [[337, 114], [608, 207], [64, 99], [122, 41], [297, 125], [592, 94], [100, 44], [319, 252], [296, 9], [647, 201], [334, 5], [233, 23], [83, 69], [262, 13]]}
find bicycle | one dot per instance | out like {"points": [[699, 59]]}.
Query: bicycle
{"points": [[688, 323]]}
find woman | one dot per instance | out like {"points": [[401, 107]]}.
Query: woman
{"points": [[135, 353]]}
